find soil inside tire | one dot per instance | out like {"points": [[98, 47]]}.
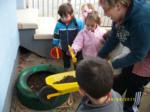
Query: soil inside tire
{"points": [[37, 80]]}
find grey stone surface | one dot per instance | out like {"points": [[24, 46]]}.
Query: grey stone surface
{"points": [[40, 47]]}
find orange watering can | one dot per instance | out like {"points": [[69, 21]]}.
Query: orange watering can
{"points": [[56, 52]]}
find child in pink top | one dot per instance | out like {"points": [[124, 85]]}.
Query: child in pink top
{"points": [[90, 39]]}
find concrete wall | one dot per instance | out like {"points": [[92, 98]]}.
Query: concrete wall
{"points": [[9, 43], [21, 4]]}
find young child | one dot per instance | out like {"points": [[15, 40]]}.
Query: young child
{"points": [[95, 79], [85, 9], [90, 39], [66, 30]]}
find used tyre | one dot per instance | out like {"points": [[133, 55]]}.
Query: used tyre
{"points": [[29, 97]]}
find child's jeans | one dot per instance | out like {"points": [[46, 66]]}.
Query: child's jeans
{"points": [[67, 59]]}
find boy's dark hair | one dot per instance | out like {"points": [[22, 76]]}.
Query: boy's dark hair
{"points": [[95, 77], [65, 9]]}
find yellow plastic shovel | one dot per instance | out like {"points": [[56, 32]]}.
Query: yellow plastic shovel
{"points": [[72, 54]]}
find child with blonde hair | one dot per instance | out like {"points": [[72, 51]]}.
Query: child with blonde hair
{"points": [[90, 39], [85, 9]]}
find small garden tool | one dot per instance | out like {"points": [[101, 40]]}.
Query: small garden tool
{"points": [[73, 55]]}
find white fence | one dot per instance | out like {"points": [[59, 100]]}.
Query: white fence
{"points": [[50, 7]]}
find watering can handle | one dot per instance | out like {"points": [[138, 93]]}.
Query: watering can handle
{"points": [[57, 53]]}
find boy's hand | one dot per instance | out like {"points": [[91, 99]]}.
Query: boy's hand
{"points": [[56, 42]]}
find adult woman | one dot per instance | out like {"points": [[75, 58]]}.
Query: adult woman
{"points": [[131, 28]]}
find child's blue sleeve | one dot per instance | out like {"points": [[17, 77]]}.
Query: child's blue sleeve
{"points": [[56, 39], [80, 24], [56, 42], [56, 30]]}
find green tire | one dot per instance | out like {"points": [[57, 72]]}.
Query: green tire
{"points": [[28, 97]]}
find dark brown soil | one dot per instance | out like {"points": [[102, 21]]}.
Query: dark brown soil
{"points": [[66, 79], [37, 80]]}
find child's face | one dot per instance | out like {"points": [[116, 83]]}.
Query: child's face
{"points": [[90, 25], [85, 10], [66, 19]]}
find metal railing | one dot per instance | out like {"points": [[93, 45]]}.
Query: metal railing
{"points": [[50, 8]]}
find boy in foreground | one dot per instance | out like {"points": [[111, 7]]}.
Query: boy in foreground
{"points": [[95, 79]]}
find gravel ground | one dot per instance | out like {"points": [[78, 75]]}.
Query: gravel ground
{"points": [[29, 59]]}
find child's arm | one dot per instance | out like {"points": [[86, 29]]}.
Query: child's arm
{"points": [[78, 42], [56, 39]]}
